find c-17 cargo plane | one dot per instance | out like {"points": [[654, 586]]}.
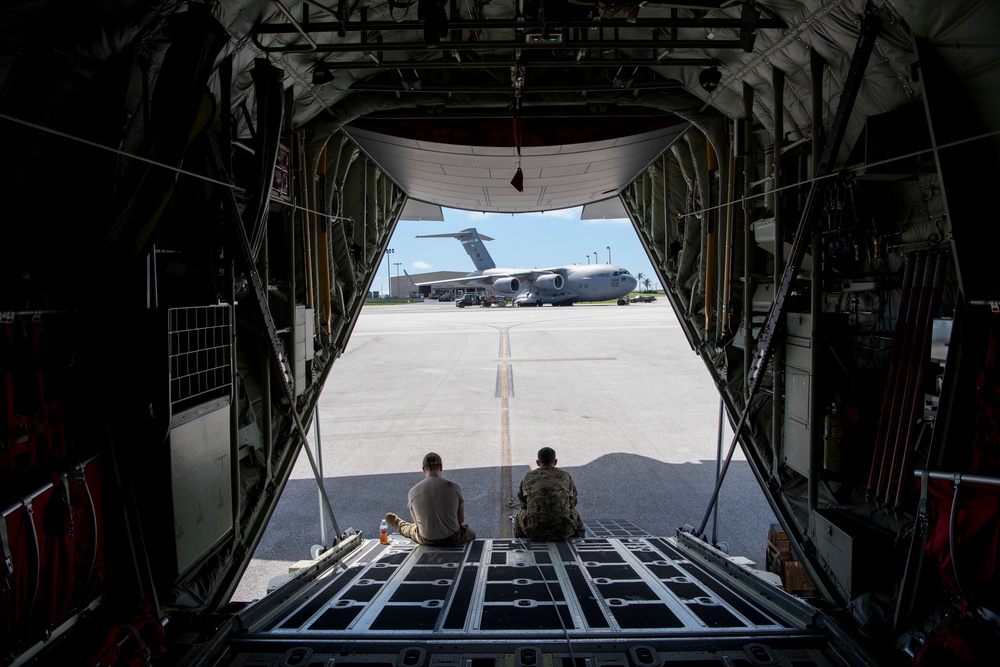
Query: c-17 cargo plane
{"points": [[559, 285]]}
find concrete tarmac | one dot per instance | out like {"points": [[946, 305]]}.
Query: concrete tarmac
{"points": [[617, 391]]}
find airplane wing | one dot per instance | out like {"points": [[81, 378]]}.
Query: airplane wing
{"points": [[452, 235], [529, 275], [508, 282], [464, 280], [451, 281]]}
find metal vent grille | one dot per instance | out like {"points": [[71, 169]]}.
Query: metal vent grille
{"points": [[200, 351]]}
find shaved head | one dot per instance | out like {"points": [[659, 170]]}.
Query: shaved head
{"points": [[546, 456]]}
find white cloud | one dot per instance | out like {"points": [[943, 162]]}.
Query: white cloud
{"points": [[421, 265]]}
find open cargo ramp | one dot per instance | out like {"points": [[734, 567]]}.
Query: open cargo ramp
{"points": [[638, 601]]}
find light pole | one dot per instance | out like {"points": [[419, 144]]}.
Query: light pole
{"points": [[609, 254], [397, 276], [595, 257], [588, 260], [388, 269]]}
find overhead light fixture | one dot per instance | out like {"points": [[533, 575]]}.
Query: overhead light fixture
{"points": [[544, 37], [710, 78], [321, 73], [623, 80], [410, 84]]}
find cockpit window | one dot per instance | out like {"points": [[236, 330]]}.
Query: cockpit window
{"points": [[616, 273], [625, 272]]}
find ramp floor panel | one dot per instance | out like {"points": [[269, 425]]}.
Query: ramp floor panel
{"points": [[512, 588]]}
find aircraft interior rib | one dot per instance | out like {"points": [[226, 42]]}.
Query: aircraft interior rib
{"points": [[198, 195]]}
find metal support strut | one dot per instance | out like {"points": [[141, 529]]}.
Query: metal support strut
{"points": [[810, 215]]}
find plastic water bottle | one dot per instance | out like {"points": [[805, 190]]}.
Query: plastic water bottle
{"points": [[383, 532]]}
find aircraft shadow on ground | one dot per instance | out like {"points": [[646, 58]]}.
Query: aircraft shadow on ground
{"points": [[655, 496]]}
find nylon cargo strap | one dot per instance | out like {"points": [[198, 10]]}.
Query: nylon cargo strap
{"points": [[132, 630], [922, 521], [8, 562], [68, 498]]}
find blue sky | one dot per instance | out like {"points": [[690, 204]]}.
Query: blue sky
{"points": [[524, 240]]}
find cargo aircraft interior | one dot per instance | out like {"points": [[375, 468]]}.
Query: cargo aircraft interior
{"points": [[197, 196]]}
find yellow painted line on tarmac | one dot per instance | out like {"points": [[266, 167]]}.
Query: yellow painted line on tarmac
{"points": [[506, 490]]}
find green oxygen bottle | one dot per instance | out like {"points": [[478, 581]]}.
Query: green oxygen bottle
{"points": [[834, 437]]}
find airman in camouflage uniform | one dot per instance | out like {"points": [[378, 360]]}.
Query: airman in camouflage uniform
{"points": [[547, 499]]}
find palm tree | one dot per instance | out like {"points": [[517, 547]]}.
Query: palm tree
{"points": [[646, 282], [639, 277]]}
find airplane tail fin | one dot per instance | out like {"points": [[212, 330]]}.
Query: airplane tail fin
{"points": [[472, 241]]}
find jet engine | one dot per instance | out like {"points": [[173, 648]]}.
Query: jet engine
{"points": [[507, 285], [552, 281]]}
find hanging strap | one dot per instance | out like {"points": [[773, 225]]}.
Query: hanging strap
{"points": [[7, 565], [64, 478], [518, 180], [29, 516], [68, 499], [143, 646], [952, 543], [517, 133], [93, 536], [925, 480]]}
